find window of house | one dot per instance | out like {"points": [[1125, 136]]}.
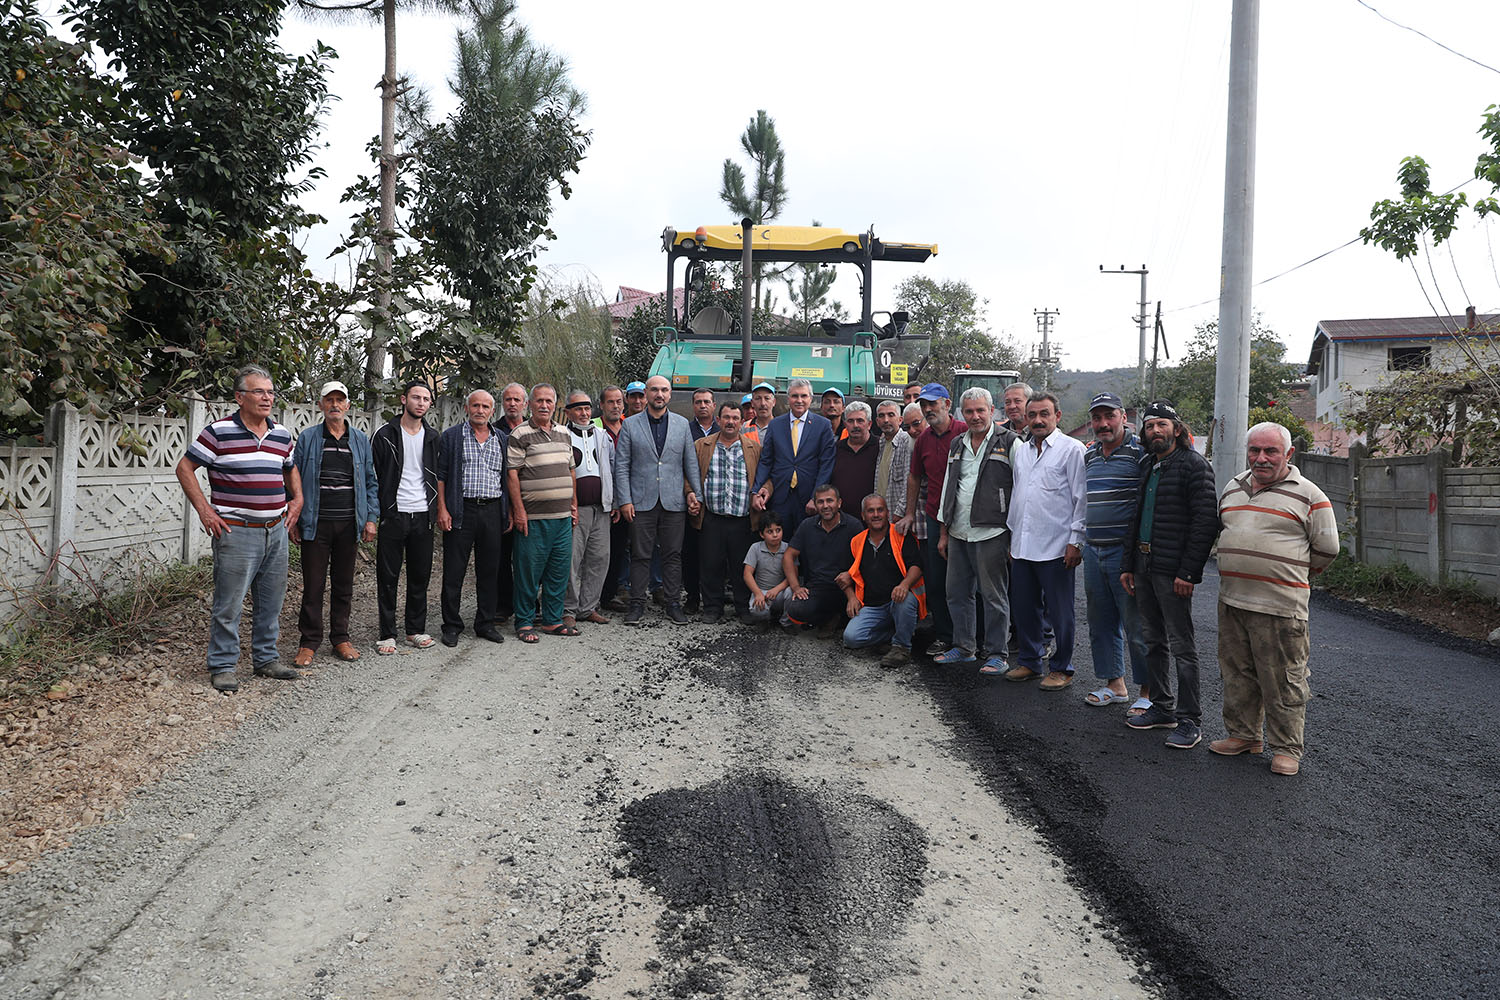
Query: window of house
{"points": [[1408, 359]]}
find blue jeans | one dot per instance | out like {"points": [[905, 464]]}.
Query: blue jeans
{"points": [[1114, 622], [1041, 593], [891, 622], [253, 561]]}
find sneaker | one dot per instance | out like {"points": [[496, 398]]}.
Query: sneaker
{"points": [[1154, 717], [675, 615], [635, 614], [937, 648], [1185, 736], [223, 681], [896, 656]]}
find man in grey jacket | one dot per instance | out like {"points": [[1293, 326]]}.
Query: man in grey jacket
{"points": [[973, 510], [656, 478]]}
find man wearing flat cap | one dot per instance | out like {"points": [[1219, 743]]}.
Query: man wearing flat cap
{"points": [[341, 501]]}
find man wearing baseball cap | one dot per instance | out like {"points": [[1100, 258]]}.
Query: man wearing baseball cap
{"points": [[762, 402], [833, 409], [635, 398], [341, 500]]}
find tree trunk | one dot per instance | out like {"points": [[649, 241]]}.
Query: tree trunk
{"points": [[380, 331]]}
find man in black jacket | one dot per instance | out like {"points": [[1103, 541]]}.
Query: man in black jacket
{"points": [[406, 470], [1175, 525]]}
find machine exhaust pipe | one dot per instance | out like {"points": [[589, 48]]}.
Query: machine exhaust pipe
{"points": [[746, 307]]}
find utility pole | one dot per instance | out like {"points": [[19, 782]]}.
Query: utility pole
{"points": [[1141, 319], [1043, 355], [1157, 341], [1232, 379]]}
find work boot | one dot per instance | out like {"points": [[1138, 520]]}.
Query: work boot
{"points": [[896, 656], [1229, 746]]}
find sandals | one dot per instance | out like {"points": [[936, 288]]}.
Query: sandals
{"points": [[993, 667], [1138, 707], [421, 641], [1104, 696], [527, 634], [955, 655], [560, 630], [385, 647]]}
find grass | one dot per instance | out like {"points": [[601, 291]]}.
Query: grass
{"points": [[1348, 577], [61, 629]]}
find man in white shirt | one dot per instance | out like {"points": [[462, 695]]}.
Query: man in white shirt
{"points": [[1048, 515], [405, 452]]}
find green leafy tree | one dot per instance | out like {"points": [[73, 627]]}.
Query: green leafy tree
{"points": [[75, 222], [762, 199], [566, 340], [1190, 383], [1415, 411], [228, 123], [1275, 413], [953, 315], [808, 286]]}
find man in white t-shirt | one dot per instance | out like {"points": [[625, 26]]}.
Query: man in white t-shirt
{"points": [[406, 469]]}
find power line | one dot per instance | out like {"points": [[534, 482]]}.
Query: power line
{"points": [[1434, 41]]}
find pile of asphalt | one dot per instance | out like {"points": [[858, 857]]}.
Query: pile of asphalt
{"points": [[775, 876]]}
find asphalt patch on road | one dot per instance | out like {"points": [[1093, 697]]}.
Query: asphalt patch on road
{"points": [[1025, 774], [1405, 624], [775, 881], [748, 662]]}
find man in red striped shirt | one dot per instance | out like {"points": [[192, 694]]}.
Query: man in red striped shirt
{"points": [[257, 498], [1277, 529]]}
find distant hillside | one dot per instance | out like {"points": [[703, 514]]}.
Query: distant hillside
{"points": [[1075, 388]]}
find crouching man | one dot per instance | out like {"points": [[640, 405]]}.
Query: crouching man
{"points": [[883, 586]]}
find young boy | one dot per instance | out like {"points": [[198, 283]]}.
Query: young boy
{"points": [[763, 572]]}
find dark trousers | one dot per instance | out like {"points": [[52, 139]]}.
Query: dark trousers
{"points": [[505, 584], [1167, 626], [935, 576], [722, 545], [619, 555], [1041, 593], [657, 527], [482, 530], [824, 602], [408, 538], [330, 551], [690, 562]]}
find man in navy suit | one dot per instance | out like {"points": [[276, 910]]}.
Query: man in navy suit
{"points": [[796, 456]]}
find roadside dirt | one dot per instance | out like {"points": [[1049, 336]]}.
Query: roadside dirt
{"points": [[650, 812]]}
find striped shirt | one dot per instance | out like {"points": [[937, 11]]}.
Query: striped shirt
{"points": [[244, 471], [336, 478], [1271, 541], [726, 488], [484, 465], [1114, 483], [543, 461]]}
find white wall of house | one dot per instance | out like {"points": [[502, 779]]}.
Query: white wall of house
{"points": [[1351, 366]]}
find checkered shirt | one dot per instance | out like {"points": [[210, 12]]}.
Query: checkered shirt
{"points": [[726, 490], [484, 465]]}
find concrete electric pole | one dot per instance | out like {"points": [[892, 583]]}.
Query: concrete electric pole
{"points": [[1141, 318], [1043, 356], [1232, 379]]}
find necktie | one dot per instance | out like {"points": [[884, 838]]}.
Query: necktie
{"points": [[796, 440]]}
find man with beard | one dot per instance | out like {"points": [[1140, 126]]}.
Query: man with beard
{"points": [[1172, 532], [726, 463], [1046, 520], [1278, 527], [1112, 465], [593, 454], [929, 465], [406, 470]]}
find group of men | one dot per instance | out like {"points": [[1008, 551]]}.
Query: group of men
{"points": [[903, 524]]}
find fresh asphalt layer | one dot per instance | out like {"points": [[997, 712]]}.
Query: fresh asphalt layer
{"points": [[1371, 874]]}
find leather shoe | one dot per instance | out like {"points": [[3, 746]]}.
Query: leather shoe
{"points": [[1056, 681], [596, 618], [303, 658], [1019, 674], [570, 621], [450, 638], [1229, 746], [492, 634], [1285, 763], [224, 681], [346, 651], [277, 671]]}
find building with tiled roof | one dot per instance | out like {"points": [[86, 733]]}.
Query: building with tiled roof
{"points": [[628, 300]]}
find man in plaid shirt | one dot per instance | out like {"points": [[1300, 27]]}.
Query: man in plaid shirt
{"points": [[726, 462]]}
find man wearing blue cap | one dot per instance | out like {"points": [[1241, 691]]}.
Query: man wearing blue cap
{"points": [[833, 409], [762, 400], [796, 457]]}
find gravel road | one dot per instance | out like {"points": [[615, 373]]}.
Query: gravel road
{"points": [[651, 812]]}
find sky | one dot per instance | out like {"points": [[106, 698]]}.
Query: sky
{"points": [[1031, 142]]}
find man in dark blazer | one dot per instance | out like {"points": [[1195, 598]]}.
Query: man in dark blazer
{"points": [[656, 484], [796, 456]]}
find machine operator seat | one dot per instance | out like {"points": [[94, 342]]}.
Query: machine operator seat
{"points": [[712, 321]]}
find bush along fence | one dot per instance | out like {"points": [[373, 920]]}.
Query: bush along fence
{"points": [[1440, 520], [98, 503]]}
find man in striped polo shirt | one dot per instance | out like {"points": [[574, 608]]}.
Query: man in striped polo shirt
{"points": [[544, 509], [1277, 529], [1112, 466], [257, 498]]}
